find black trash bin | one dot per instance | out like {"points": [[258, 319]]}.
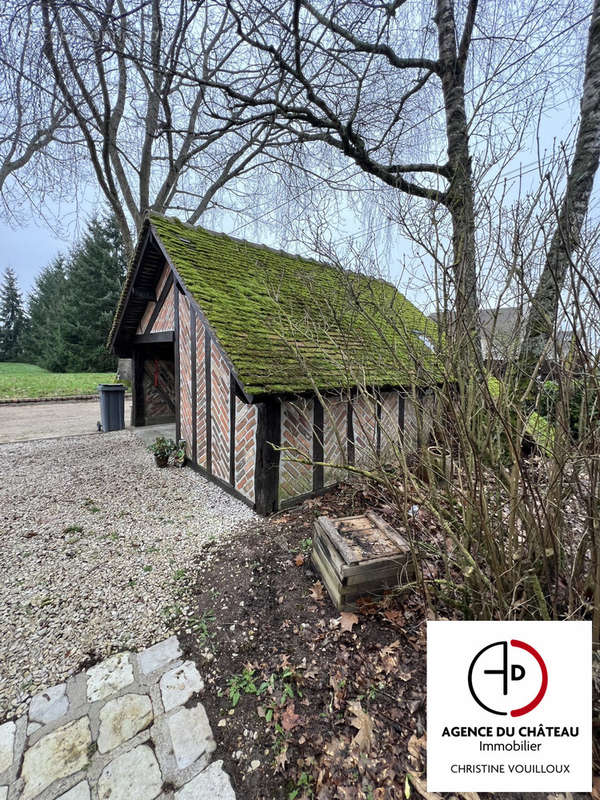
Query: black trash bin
{"points": [[112, 406]]}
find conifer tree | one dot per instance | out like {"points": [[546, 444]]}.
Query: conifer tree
{"points": [[95, 276], [44, 342], [12, 318]]}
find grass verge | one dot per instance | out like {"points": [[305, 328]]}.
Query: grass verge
{"points": [[26, 381]]}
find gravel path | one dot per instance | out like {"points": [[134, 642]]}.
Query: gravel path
{"points": [[26, 421], [95, 543]]}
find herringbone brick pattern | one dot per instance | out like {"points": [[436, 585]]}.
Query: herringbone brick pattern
{"points": [[335, 425], [166, 317], [220, 414], [410, 426], [390, 432], [245, 447], [185, 372], [200, 395], [297, 433], [365, 439], [150, 307]]}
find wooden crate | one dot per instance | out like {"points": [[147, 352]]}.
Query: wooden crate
{"points": [[359, 556]]}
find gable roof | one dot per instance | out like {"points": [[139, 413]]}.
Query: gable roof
{"points": [[288, 323]]}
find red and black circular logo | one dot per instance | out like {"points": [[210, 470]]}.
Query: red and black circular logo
{"points": [[508, 678]]}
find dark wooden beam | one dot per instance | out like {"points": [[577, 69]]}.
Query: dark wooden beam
{"points": [[420, 395], [318, 444], [401, 404], [137, 388], [160, 302], [350, 429], [147, 295], [378, 407], [194, 385], [266, 468], [177, 366], [162, 337], [208, 395]]}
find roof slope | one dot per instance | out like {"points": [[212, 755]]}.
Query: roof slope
{"points": [[288, 323]]}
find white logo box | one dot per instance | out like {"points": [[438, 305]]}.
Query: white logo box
{"points": [[509, 706]]}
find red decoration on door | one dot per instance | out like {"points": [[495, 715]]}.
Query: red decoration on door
{"points": [[156, 371]]}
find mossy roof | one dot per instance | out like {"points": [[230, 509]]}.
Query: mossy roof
{"points": [[290, 324]]}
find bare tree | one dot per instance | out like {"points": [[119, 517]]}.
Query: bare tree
{"points": [[154, 140], [33, 114], [401, 89], [571, 211]]}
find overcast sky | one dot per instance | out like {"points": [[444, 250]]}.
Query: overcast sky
{"points": [[29, 247]]}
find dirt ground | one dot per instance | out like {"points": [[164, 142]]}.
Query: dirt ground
{"points": [[306, 702], [21, 422]]}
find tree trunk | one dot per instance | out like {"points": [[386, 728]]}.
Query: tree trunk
{"points": [[460, 196], [573, 210]]}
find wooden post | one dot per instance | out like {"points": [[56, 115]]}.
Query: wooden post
{"points": [[350, 428], [137, 388], [401, 401], [266, 469], [177, 367], [318, 444]]}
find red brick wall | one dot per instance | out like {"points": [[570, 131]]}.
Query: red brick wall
{"points": [[245, 447], [220, 413], [185, 372], [150, 307], [166, 317], [390, 432], [364, 416], [200, 395], [296, 431], [335, 426]]}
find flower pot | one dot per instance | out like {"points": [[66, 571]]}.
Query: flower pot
{"points": [[179, 462], [161, 460]]}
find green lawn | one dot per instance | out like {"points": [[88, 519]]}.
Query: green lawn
{"points": [[18, 381]]}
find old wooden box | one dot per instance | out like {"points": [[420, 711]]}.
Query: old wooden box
{"points": [[359, 556]]}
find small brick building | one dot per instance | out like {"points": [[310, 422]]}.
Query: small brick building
{"points": [[275, 368]]}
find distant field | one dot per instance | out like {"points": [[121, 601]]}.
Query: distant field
{"points": [[18, 381]]}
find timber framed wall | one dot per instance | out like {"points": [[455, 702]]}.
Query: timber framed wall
{"points": [[218, 426], [357, 428], [264, 452]]}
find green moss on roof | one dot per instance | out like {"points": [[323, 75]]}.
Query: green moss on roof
{"points": [[286, 321]]}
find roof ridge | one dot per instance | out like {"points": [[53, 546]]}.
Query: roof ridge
{"points": [[274, 250]]}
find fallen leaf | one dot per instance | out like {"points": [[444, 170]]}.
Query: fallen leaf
{"points": [[596, 787], [289, 718], [348, 620], [281, 759], [395, 617], [299, 560], [317, 591], [364, 724], [389, 658]]}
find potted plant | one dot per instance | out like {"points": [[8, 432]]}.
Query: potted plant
{"points": [[179, 454], [162, 449]]}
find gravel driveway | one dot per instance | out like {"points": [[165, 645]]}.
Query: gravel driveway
{"points": [[95, 542], [24, 421]]}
